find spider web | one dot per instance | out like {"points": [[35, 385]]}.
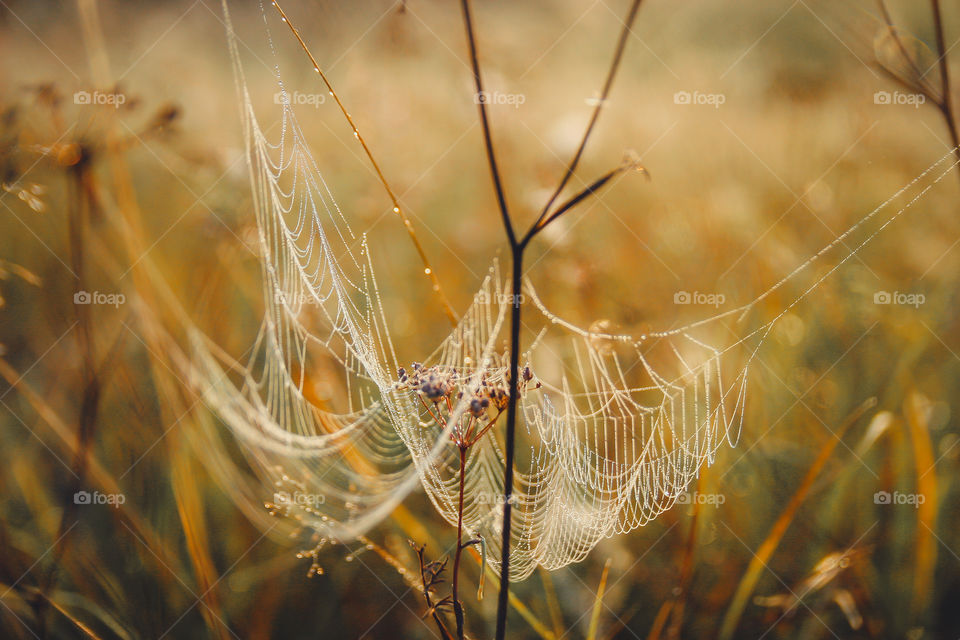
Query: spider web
{"points": [[614, 436]]}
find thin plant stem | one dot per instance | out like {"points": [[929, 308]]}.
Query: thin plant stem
{"points": [[516, 278], [455, 578], [517, 248], [427, 268], [587, 191], [946, 105], [945, 101], [607, 85], [485, 123]]}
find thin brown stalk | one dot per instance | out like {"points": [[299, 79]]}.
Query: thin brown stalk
{"points": [[604, 94], [760, 557], [946, 105], [944, 101], [428, 270], [598, 603], [553, 604], [430, 577], [78, 178], [925, 542], [686, 568], [591, 189], [455, 578]]}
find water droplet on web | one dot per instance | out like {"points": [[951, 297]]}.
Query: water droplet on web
{"points": [[599, 339]]}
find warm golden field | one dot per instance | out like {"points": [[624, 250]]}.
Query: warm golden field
{"points": [[798, 134]]}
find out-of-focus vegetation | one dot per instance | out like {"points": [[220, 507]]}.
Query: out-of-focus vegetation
{"points": [[101, 198]]}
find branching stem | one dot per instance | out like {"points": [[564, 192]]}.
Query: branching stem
{"points": [[517, 248], [946, 105]]}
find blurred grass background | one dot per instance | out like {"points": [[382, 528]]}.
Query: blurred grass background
{"points": [[798, 151]]}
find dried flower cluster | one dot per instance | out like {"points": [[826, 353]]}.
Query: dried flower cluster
{"points": [[441, 389]]}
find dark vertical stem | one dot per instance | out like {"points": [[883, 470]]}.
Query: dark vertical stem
{"points": [[509, 438], [79, 214], [517, 247], [946, 105], [457, 607], [480, 99]]}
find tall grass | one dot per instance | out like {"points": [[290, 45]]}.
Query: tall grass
{"points": [[94, 407]]}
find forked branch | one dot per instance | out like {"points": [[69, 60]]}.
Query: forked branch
{"points": [[517, 248], [946, 106], [944, 101]]}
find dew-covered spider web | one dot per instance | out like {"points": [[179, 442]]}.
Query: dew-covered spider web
{"points": [[612, 427]]}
